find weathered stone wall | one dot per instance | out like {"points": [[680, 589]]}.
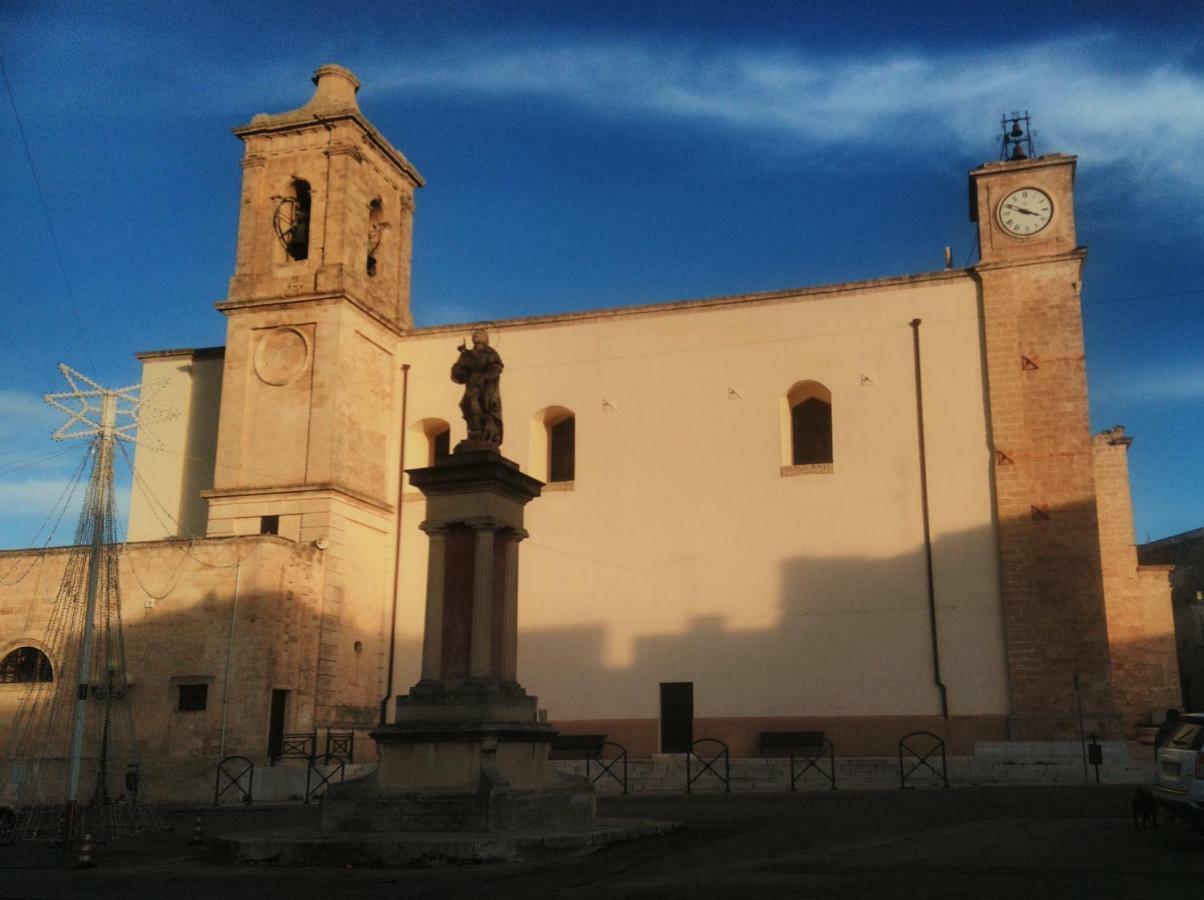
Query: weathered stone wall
{"points": [[1053, 606], [1185, 552], [1141, 632], [240, 615]]}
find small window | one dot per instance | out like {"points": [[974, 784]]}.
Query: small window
{"points": [[269, 524], [376, 230], [810, 424], [193, 697], [291, 220], [440, 445], [562, 449], [25, 664]]}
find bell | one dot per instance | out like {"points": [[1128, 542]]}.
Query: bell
{"points": [[1018, 152], [1017, 131]]}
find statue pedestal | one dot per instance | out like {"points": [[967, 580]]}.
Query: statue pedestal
{"points": [[466, 751]]}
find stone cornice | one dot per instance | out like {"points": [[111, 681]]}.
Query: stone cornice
{"points": [[820, 292], [311, 489], [1077, 255], [300, 118], [284, 302]]}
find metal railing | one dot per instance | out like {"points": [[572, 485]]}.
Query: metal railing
{"points": [[239, 775], [318, 782], [607, 766], [709, 763], [813, 761], [911, 744]]}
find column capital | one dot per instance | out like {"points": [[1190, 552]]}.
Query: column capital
{"points": [[437, 529]]}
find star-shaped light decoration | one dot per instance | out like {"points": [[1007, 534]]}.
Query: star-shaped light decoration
{"points": [[96, 410]]}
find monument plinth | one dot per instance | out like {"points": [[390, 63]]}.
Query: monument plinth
{"points": [[466, 751]]}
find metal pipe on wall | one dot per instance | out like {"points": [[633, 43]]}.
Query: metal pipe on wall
{"points": [[401, 475], [936, 648]]}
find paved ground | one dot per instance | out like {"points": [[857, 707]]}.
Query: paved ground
{"points": [[969, 842]]}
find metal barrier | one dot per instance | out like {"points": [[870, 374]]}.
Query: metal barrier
{"points": [[340, 743], [813, 760], [708, 765], [297, 746], [922, 759], [234, 779], [607, 766], [325, 779]]}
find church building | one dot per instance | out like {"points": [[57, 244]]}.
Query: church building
{"points": [[863, 508]]}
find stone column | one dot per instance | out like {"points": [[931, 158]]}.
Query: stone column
{"points": [[508, 667], [480, 661], [432, 635]]}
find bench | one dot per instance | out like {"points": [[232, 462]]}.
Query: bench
{"points": [[812, 741], [577, 746], [811, 747]]}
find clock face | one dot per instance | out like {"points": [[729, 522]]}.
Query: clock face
{"points": [[1025, 211]]}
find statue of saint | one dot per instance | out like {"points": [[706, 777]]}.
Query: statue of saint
{"points": [[479, 369]]}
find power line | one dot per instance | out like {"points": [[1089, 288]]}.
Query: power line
{"points": [[58, 252]]}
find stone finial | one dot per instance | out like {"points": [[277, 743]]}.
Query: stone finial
{"points": [[336, 87]]}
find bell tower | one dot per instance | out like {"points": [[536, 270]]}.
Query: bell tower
{"points": [[327, 206], [308, 433], [1029, 277]]}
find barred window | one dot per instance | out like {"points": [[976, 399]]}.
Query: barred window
{"points": [[193, 697], [25, 664]]}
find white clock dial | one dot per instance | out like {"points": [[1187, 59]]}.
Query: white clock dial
{"points": [[1024, 212]]}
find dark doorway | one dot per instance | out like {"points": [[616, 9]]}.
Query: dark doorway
{"points": [[276, 723], [677, 716]]}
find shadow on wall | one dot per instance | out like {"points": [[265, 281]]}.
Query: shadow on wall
{"points": [[851, 651]]}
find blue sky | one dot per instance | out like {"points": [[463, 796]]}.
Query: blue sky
{"points": [[598, 154]]}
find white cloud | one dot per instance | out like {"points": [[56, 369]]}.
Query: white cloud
{"points": [[1088, 95]]}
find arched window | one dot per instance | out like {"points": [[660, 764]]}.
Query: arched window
{"points": [[562, 449], [25, 664], [292, 220], [553, 453], [437, 436], [440, 445], [810, 424], [376, 230]]}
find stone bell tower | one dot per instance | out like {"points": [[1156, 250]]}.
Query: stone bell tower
{"points": [[307, 439], [1030, 275]]}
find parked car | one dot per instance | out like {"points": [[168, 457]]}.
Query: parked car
{"points": [[1179, 771]]}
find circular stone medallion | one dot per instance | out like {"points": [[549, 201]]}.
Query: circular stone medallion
{"points": [[282, 356]]}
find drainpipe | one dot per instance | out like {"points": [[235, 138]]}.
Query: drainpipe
{"points": [[221, 746], [401, 474], [936, 649]]}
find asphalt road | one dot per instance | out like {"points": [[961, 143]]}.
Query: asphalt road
{"points": [[965, 842]]}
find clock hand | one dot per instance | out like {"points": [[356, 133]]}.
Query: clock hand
{"points": [[1027, 212]]}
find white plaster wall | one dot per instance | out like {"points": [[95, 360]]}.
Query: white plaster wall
{"points": [[176, 446], [683, 553]]}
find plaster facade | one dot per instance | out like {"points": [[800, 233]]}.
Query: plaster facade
{"points": [[689, 545]]}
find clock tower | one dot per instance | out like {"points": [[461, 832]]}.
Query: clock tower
{"points": [[1029, 276], [310, 406]]}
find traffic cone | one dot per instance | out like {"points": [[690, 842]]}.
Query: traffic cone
{"points": [[85, 860], [198, 833]]}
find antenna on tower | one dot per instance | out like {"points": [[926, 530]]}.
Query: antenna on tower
{"points": [[1017, 137]]}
